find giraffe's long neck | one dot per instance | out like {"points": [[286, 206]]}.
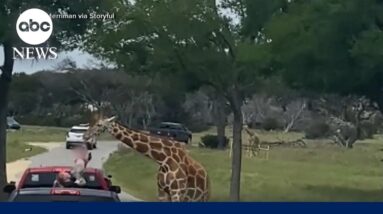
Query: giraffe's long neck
{"points": [[140, 142]]}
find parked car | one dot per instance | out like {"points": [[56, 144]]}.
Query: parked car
{"points": [[12, 123], [176, 131], [41, 177], [45, 194], [75, 137]]}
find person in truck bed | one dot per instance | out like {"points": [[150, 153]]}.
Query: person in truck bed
{"points": [[82, 157], [63, 179]]}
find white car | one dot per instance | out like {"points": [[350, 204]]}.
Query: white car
{"points": [[75, 137]]}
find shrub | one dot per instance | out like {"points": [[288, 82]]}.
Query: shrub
{"points": [[271, 123], [197, 126], [211, 141], [367, 130], [317, 129]]}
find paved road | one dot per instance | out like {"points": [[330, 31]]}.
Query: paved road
{"points": [[61, 156]]}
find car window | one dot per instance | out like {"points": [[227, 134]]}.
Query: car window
{"points": [[61, 198], [162, 126], [78, 130], [46, 179], [169, 126]]}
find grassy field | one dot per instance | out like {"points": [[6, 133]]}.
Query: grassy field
{"points": [[321, 172], [37, 134], [17, 146], [17, 150], [43, 134]]}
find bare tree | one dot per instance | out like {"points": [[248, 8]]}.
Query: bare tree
{"points": [[294, 111], [199, 105], [345, 116], [258, 108]]}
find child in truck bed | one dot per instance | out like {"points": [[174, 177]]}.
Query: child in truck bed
{"points": [[64, 179], [82, 158]]}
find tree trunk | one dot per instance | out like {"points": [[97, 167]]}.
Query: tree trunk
{"points": [[5, 79], [221, 126], [357, 124], [295, 118], [236, 162], [220, 121]]}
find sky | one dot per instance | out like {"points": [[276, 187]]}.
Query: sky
{"points": [[82, 59]]}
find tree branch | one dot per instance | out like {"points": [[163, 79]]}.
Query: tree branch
{"points": [[227, 43]]}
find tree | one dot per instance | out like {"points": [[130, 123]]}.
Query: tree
{"points": [[330, 47], [66, 31], [189, 41], [23, 94], [220, 113]]}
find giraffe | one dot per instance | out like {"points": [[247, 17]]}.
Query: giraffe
{"points": [[180, 178], [254, 142]]}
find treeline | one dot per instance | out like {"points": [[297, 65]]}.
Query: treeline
{"points": [[52, 98], [65, 98]]}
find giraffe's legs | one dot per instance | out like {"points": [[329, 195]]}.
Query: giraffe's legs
{"points": [[163, 195], [178, 195]]}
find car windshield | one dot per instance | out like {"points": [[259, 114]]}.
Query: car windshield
{"points": [[77, 130], [61, 198], [46, 179]]}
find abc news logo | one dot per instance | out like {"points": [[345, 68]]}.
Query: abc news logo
{"points": [[34, 27]]}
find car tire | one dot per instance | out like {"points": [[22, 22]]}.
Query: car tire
{"points": [[67, 146]]}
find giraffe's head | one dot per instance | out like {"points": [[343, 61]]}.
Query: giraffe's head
{"points": [[98, 125]]}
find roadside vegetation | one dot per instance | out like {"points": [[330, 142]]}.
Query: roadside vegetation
{"points": [[17, 150], [320, 172], [39, 134], [17, 141]]}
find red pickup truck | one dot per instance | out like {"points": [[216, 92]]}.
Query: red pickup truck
{"points": [[45, 177]]}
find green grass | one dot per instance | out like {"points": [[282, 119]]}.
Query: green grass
{"points": [[17, 140], [37, 134], [43, 134], [17, 150], [320, 172]]}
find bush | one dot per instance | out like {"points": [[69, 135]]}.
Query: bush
{"points": [[197, 126], [367, 130], [317, 129], [211, 141], [271, 123], [37, 120], [71, 120], [50, 120]]}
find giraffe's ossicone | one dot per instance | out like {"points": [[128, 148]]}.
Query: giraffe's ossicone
{"points": [[179, 178]]}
